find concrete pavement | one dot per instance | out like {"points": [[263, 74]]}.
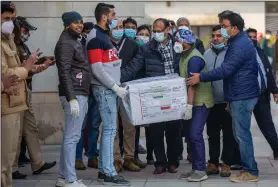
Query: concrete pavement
{"points": [[267, 166]]}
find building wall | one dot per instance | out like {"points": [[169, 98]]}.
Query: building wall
{"points": [[46, 16]]}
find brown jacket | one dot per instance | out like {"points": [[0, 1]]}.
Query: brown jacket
{"points": [[11, 65]]}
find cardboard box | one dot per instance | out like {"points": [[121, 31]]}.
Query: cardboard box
{"points": [[155, 99]]}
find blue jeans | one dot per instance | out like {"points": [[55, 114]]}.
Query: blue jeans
{"points": [[241, 112], [72, 133], [93, 119], [107, 103]]}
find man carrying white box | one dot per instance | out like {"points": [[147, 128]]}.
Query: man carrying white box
{"points": [[158, 58]]}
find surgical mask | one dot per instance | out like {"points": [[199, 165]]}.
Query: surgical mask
{"points": [[218, 46], [24, 37], [178, 47], [7, 27], [224, 33], [255, 42], [183, 28], [159, 36], [131, 33], [144, 39], [117, 34], [112, 24]]}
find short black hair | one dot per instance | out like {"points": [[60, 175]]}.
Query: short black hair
{"points": [[144, 27], [235, 20], [165, 21], [88, 26], [6, 7], [215, 28], [251, 30], [130, 20], [102, 8], [268, 31], [225, 12]]}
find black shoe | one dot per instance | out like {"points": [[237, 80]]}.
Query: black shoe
{"points": [[100, 177], [180, 157], [46, 166], [24, 160], [116, 180], [275, 154], [20, 165], [141, 149], [17, 175]]}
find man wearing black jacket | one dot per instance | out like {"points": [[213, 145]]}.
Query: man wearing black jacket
{"points": [[159, 58], [262, 110], [74, 78], [127, 49]]}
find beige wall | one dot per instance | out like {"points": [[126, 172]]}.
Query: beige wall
{"points": [[46, 16], [205, 13]]}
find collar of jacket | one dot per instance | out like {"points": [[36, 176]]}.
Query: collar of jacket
{"points": [[72, 33], [236, 36], [8, 45], [218, 51], [186, 53], [101, 29]]}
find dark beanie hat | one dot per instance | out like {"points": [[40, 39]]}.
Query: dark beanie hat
{"points": [[69, 17]]}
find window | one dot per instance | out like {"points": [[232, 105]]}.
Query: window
{"points": [[271, 7]]}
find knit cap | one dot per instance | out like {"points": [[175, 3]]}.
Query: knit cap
{"points": [[70, 17], [186, 36]]}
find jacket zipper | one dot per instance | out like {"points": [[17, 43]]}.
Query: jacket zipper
{"points": [[215, 62]]}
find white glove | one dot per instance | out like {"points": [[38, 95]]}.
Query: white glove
{"points": [[121, 92], [187, 112], [74, 108]]}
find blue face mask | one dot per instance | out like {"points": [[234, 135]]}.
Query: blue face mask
{"points": [[131, 33], [117, 34], [218, 46], [113, 24], [224, 33]]}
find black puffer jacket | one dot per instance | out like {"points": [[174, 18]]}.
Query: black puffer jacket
{"points": [[150, 60], [73, 67]]}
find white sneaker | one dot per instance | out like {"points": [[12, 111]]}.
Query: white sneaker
{"points": [[60, 182], [76, 184]]}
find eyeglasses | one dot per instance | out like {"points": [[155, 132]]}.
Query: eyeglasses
{"points": [[155, 31]]}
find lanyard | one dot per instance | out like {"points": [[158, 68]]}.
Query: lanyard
{"points": [[121, 47]]}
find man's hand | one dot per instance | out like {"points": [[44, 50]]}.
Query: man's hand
{"points": [[9, 81], [121, 92], [195, 79], [187, 112], [33, 58], [228, 107], [275, 97], [74, 108]]}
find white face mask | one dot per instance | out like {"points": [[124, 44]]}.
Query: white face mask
{"points": [[144, 39], [159, 36], [178, 47], [183, 28], [7, 27]]}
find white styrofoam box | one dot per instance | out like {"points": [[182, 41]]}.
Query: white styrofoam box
{"points": [[155, 99]]}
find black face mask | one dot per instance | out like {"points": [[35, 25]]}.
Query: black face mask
{"points": [[255, 42]]}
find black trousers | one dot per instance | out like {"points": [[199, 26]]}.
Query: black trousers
{"points": [[149, 144], [172, 131], [23, 147], [262, 113], [219, 119], [185, 133]]}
